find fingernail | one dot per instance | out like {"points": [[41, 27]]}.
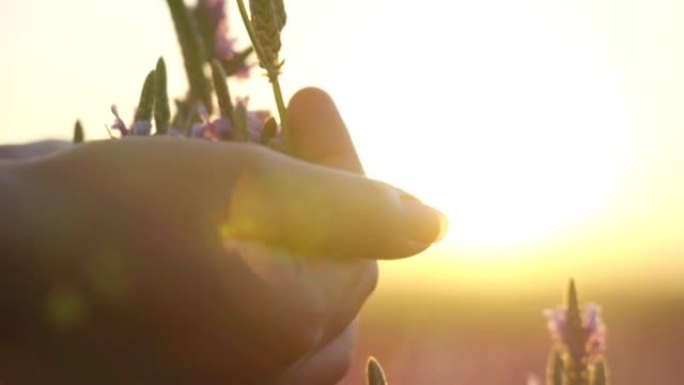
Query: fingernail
{"points": [[422, 223]]}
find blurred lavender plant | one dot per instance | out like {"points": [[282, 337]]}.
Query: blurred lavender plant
{"points": [[202, 33], [577, 356]]}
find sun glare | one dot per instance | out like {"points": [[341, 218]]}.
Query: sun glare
{"points": [[517, 136]]}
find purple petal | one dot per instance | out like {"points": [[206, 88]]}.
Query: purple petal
{"points": [[596, 330], [175, 133], [118, 122], [222, 128], [557, 323], [255, 122], [141, 128], [197, 130], [592, 318]]}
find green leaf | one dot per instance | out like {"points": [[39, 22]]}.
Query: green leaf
{"points": [[241, 123], [146, 104], [162, 109]]}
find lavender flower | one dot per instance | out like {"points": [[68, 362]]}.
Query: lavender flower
{"points": [[222, 128], [557, 324], [118, 122], [593, 330], [139, 127], [210, 129], [579, 343], [211, 18], [596, 330]]}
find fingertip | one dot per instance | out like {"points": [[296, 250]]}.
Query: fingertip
{"points": [[422, 223], [308, 95], [318, 133]]}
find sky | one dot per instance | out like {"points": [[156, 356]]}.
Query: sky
{"points": [[550, 133]]}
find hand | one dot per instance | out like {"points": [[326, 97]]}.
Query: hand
{"points": [[32, 150], [186, 261]]}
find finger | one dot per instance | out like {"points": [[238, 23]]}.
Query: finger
{"points": [[328, 365], [299, 304], [326, 293], [316, 210], [318, 134]]}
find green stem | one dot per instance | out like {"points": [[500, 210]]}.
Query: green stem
{"points": [[282, 112], [193, 53], [221, 88], [162, 110]]}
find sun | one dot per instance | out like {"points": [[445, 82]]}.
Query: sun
{"points": [[523, 138]]}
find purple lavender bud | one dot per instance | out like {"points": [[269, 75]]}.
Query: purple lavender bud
{"points": [[118, 122], [557, 324], [175, 132], [222, 128], [215, 10], [141, 128], [255, 123], [203, 113], [579, 334], [224, 47], [197, 130], [596, 330], [592, 318], [212, 22]]}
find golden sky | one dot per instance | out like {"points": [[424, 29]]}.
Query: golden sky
{"points": [[551, 133]]}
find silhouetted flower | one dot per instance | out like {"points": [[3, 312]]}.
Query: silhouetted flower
{"points": [[212, 22]]}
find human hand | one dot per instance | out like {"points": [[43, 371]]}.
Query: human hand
{"points": [[14, 152], [198, 262]]}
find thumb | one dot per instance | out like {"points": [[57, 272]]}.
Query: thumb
{"points": [[321, 211]]}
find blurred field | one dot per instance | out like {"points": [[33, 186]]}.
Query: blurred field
{"points": [[423, 337]]}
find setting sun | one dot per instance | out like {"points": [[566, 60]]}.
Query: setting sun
{"points": [[517, 137]]}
